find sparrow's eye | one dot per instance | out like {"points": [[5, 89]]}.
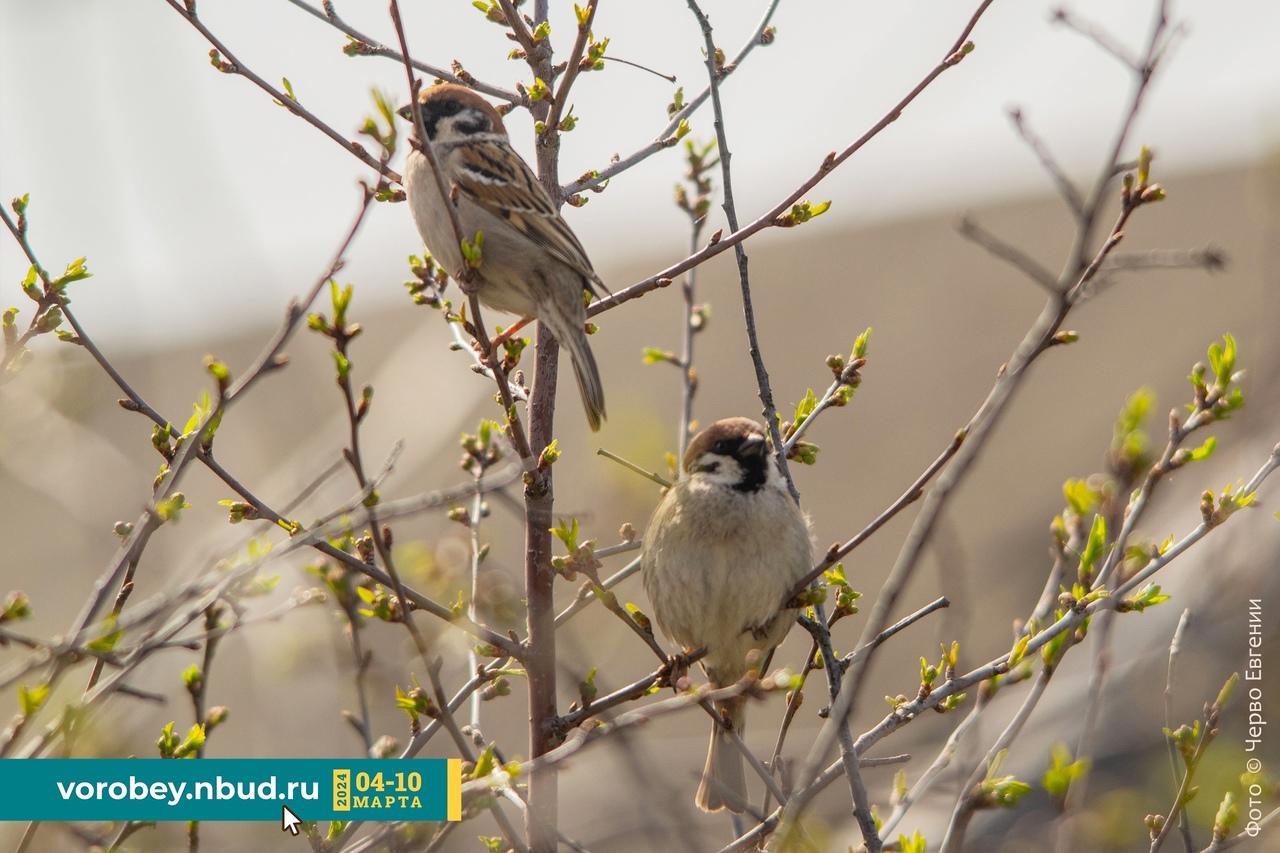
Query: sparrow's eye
{"points": [[448, 107], [721, 446]]}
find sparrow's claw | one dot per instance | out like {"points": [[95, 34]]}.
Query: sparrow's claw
{"points": [[677, 667]]}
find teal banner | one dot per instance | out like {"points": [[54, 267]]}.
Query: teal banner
{"points": [[252, 789]]}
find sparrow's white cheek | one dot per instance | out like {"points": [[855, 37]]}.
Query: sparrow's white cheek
{"points": [[719, 470]]}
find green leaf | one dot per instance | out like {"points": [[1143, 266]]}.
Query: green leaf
{"points": [[1062, 772], [587, 690], [1080, 497], [191, 744], [473, 253], [677, 103], [341, 298], [568, 534], [29, 283], [342, 363], [1093, 549], [106, 641], [805, 408], [170, 508], [1204, 451], [31, 698], [1148, 596], [16, 606], [75, 272], [485, 763], [1226, 817], [914, 844], [167, 743], [1019, 651], [1228, 689], [860, 344], [1144, 166]]}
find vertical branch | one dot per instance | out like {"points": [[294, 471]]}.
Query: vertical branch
{"points": [[715, 71], [688, 378], [695, 202], [473, 658], [540, 660], [541, 818], [822, 636], [1076, 273], [1175, 649], [1097, 194]]}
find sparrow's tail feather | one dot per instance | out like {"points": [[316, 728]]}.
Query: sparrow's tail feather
{"points": [[724, 780], [587, 374], [571, 334]]}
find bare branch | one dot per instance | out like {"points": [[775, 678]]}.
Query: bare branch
{"points": [[667, 138], [1210, 259], [1027, 265], [1068, 190], [228, 63], [1096, 35], [829, 163], [367, 46]]}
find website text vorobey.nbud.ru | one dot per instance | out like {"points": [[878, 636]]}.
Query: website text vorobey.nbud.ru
{"points": [[214, 789], [173, 793]]}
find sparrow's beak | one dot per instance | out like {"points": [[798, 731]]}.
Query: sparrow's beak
{"points": [[752, 445], [406, 112]]}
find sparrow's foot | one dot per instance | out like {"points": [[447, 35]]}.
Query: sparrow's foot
{"points": [[677, 667]]}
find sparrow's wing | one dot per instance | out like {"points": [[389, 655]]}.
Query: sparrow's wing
{"points": [[496, 178]]}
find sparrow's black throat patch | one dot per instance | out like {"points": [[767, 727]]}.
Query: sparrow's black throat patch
{"points": [[754, 470]]}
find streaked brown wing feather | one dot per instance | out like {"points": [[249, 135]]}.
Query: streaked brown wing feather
{"points": [[507, 188]]}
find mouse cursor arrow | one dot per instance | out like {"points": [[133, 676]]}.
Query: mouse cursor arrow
{"points": [[289, 821]]}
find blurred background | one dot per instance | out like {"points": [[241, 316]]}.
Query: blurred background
{"points": [[203, 207]]}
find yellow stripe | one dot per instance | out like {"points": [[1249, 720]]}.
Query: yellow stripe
{"points": [[455, 789]]}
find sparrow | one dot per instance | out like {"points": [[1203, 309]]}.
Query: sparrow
{"points": [[531, 263], [723, 548]]}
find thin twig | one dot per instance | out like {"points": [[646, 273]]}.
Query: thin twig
{"points": [[368, 46], [1075, 275], [1175, 650], [1098, 36], [667, 137], [970, 793], [1029, 267], [1066, 188], [770, 411], [770, 217], [631, 466], [1210, 259], [231, 65]]}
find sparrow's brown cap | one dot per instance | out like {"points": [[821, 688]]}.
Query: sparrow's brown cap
{"points": [[448, 99]]}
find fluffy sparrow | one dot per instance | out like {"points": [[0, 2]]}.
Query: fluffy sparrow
{"points": [[723, 548], [532, 264]]}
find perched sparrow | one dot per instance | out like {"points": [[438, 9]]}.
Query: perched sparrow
{"points": [[723, 548], [532, 264]]}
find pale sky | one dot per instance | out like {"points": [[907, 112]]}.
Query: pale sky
{"points": [[197, 199]]}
